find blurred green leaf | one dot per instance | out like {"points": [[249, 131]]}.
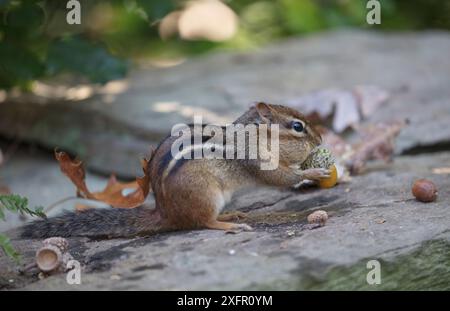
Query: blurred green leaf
{"points": [[156, 9], [18, 65], [4, 3], [17, 204], [27, 16], [80, 56], [355, 11], [32, 32], [8, 249], [334, 18], [301, 16]]}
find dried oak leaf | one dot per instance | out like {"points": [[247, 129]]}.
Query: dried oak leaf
{"points": [[339, 104], [113, 192], [345, 107], [376, 143], [338, 146]]}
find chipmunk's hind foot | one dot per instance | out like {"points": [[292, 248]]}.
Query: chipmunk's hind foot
{"points": [[228, 226]]}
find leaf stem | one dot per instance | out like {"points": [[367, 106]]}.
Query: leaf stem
{"points": [[53, 205]]}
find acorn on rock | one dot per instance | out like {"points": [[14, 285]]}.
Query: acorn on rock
{"points": [[318, 217], [322, 158], [53, 255], [424, 190]]}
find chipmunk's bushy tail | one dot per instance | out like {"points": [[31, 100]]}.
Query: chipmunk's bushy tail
{"points": [[98, 223]]}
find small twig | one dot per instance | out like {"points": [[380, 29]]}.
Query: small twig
{"points": [[53, 205]]}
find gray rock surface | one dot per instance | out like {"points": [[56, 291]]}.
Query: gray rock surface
{"points": [[372, 217], [121, 120]]}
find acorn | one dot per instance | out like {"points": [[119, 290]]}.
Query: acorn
{"points": [[49, 258], [322, 158], [424, 190], [59, 242], [331, 181], [53, 255], [318, 217], [318, 158]]}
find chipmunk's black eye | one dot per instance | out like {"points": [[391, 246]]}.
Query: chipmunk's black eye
{"points": [[298, 126]]}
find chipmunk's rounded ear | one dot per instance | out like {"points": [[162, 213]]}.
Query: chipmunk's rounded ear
{"points": [[265, 111]]}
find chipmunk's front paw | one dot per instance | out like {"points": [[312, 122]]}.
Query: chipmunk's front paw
{"points": [[314, 173]]}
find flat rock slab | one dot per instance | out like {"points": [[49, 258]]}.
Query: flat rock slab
{"points": [[373, 217], [112, 125]]}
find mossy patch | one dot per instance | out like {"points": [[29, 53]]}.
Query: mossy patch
{"points": [[426, 268]]}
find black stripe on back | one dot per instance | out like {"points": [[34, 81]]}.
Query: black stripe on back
{"points": [[165, 161], [167, 158]]}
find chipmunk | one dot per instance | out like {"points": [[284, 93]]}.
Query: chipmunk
{"points": [[191, 193]]}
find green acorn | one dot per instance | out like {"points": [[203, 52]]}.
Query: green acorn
{"points": [[319, 158]]}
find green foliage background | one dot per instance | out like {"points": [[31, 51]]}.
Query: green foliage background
{"points": [[36, 42]]}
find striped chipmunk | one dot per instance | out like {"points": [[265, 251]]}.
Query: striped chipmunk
{"points": [[190, 192]]}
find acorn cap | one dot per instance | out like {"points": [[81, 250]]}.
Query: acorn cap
{"points": [[59, 242], [320, 157], [319, 217], [48, 258]]}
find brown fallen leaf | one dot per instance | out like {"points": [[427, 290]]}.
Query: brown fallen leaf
{"points": [[113, 192], [338, 146], [370, 98], [339, 104], [376, 143], [343, 107]]}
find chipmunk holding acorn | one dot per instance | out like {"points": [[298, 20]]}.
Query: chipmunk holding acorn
{"points": [[191, 193]]}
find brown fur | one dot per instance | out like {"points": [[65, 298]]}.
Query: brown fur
{"points": [[190, 194]]}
